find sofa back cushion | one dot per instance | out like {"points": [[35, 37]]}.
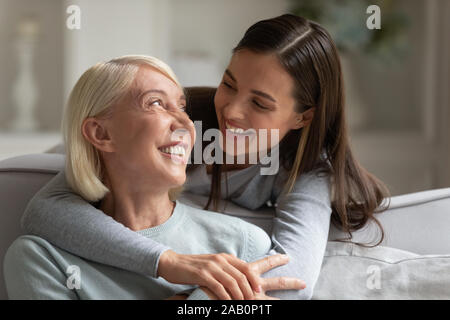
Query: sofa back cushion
{"points": [[20, 178]]}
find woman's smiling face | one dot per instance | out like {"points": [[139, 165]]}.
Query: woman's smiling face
{"points": [[255, 93], [150, 131]]}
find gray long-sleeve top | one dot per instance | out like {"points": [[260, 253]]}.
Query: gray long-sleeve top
{"points": [[300, 226]]}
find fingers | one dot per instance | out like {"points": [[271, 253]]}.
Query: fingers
{"points": [[265, 297], [225, 275], [242, 284], [263, 265], [230, 284], [283, 283], [221, 269], [250, 276], [217, 288]]}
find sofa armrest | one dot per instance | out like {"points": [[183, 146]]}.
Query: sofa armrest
{"points": [[416, 222]]}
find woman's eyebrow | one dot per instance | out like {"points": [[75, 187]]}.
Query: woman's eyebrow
{"points": [[257, 92], [182, 97], [264, 95], [228, 72], [154, 91]]}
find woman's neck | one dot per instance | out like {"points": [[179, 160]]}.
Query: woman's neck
{"points": [[136, 208]]}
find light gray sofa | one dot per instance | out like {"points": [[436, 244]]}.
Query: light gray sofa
{"points": [[418, 222]]}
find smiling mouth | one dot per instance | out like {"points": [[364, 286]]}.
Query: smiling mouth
{"points": [[177, 152], [237, 130]]}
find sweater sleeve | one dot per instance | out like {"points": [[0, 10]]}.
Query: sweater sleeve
{"points": [[65, 219], [300, 230], [198, 294]]}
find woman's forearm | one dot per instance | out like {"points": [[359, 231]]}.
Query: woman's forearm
{"points": [[300, 230], [68, 221]]}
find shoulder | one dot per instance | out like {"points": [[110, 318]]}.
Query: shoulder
{"points": [[315, 180], [29, 243], [32, 270], [28, 257], [27, 247], [314, 183]]}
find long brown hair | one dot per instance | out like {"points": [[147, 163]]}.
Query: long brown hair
{"points": [[309, 55]]}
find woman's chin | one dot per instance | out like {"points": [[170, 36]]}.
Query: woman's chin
{"points": [[176, 181]]}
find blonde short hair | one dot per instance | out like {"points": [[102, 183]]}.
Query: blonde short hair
{"points": [[97, 90]]}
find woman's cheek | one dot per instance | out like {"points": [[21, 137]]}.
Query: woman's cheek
{"points": [[193, 135], [219, 99]]}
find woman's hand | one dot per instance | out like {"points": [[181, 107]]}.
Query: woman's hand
{"points": [[226, 276], [281, 283]]}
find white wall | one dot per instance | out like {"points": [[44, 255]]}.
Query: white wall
{"points": [[194, 36], [207, 30], [111, 28]]}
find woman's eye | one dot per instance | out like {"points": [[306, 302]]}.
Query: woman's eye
{"points": [[227, 85], [260, 106], [152, 103]]}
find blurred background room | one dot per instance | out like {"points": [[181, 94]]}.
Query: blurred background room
{"points": [[397, 78]]}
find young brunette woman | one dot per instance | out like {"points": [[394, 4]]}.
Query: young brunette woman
{"points": [[284, 74]]}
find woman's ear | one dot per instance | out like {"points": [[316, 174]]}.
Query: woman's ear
{"points": [[304, 118], [95, 131]]}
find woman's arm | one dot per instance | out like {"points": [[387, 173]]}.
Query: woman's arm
{"points": [[300, 230], [62, 217], [65, 219]]}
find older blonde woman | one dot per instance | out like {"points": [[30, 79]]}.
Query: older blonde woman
{"points": [[127, 141]]}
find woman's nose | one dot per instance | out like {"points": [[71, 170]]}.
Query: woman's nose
{"points": [[180, 120], [182, 126], [233, 110]]}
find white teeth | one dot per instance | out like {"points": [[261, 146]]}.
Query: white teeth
{"points": [[233, 129], [237, 130], [177, 150]]}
